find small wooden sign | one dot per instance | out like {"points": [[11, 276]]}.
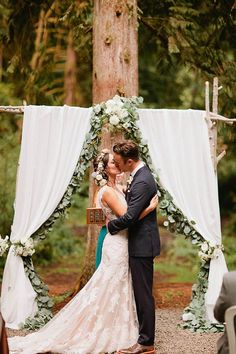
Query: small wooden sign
{"points": [[95, 216]]}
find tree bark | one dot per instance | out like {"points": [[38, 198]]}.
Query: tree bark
{"points": [[115, 49], [115, 71]]}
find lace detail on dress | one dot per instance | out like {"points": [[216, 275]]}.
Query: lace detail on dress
{"points": [[107, 211], [101, 317]]}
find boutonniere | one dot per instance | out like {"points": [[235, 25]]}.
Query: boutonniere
{"points": [[129, 181]]}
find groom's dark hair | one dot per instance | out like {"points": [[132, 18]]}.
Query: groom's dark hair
{"points": [[127, 150]]}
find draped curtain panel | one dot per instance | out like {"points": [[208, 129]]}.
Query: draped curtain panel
{"points": [[179, 147], [52, 141]]}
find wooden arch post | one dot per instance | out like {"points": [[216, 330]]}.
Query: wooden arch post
{"points": [[115, 72]]}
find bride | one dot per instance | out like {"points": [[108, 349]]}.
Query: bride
{"points": [[102, 316]]}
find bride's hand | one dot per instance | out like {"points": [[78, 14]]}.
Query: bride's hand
{"points": [[154, 202]]}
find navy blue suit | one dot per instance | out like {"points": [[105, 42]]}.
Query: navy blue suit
{"points": [[144, 245]]}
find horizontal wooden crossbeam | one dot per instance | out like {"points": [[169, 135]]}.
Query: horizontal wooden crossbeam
{"points": [[20, 110], [12, 109]]}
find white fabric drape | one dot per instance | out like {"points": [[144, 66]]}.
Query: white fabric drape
{"points": [[179, 147], [52, 141]]}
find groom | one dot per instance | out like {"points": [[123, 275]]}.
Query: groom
{"points": [[144, 241]]}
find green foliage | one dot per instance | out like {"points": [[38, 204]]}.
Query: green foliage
{"points": [[37, 63], [179, 260], [61, 242], [44, 302], [9, 155], [230, 252]]}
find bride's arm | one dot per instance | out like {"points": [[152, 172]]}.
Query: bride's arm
{"points": [[153, 204], [110, 198]]}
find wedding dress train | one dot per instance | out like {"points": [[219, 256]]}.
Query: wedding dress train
{"points": [[101, 317]]}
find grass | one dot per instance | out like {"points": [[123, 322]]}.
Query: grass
{"points": [[175, 273], [178, 261]]}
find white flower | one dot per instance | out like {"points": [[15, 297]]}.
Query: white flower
{"points": [[117, 99], [97, 108], [24, 248], [19, 250], [103, 182], [29, 243], [204, 247], [114, 119], [122, 113], [94, 174], [113, 105], [98, 177], [130, 179], [188, 316], [4, 245], [216, 253], [100, 165], [212, 244]]}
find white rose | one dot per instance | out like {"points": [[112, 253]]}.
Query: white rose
{"points": [[204, 247], [29, 243], [20, 250], [212, 244], [103, 182], [123, 113], [31, 252], [216, 253], [201, 254], [97, 108], [112, 109], [188, 316], [114, 120], [98, 177], [117, 99], [113, 105]]}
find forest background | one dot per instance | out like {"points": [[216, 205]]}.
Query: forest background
{"points": [[46, 58]]}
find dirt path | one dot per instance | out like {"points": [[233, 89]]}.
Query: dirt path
{"points": [[167, 295]]}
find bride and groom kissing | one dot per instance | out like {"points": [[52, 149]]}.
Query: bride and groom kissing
{"points": [[115, 311]]}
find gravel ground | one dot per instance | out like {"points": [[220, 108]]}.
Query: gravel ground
{"points": [[172, 340]]}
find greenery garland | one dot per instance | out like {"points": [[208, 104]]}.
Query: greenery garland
{"points": [[120, 114]]}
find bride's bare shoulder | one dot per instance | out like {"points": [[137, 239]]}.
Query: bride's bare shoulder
{"points": [[107, 190]]}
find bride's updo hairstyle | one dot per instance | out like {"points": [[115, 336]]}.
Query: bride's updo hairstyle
{"points": [[99, 164]]}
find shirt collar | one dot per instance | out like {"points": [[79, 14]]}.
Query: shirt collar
{"points": [[140, 165]]}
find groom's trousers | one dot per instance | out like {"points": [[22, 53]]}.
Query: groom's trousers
{"points": [[142, 277]]}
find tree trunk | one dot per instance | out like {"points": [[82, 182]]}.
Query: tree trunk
{"points": [[115, 71], [115, 49]]}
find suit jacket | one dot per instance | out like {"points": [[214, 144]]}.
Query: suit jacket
{"points": [[144, 240], [226, 299]]}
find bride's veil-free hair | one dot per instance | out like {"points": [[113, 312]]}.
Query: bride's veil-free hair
{"points": [[104, 159]]}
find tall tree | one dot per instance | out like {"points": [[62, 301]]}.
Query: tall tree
{"points": [[115, 71]]}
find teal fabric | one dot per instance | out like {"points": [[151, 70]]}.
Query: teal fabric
{"points": [[101, 238]]}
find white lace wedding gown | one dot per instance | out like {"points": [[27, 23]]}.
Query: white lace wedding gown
{"points": [[101, 317]]}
